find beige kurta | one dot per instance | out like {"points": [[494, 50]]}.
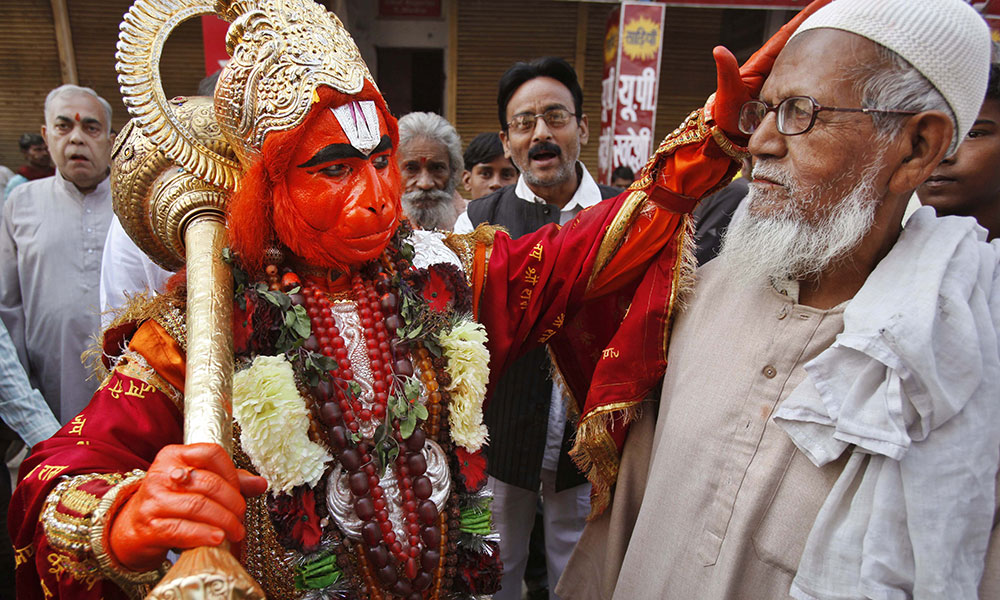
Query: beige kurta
{"points": [[714, 500]]}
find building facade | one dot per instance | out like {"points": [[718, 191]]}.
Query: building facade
{"points": [[445, 56]]}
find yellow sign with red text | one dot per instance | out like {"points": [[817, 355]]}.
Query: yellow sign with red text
{"points": [[641, 39]]}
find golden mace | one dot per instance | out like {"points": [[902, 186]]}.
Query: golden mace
{"points": [[172, 172]]}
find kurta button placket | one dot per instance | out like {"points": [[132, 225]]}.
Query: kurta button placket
{"points": [[733, 455]]}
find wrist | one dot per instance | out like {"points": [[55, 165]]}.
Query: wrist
{"points": [[732, 150], [141, 567], [725, 127]]}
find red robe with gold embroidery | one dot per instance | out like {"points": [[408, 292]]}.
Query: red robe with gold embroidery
{"points": [[599, 291]]}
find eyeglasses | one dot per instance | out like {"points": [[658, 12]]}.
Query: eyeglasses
{"points": [[555, 118], [797, 114]]}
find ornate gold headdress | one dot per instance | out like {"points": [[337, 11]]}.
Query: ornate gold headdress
{"points": [[282, 50]]}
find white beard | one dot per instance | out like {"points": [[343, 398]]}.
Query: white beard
{"points": [[432, 209], [783, 245]]}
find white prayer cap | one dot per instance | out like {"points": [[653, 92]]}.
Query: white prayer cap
{"points": [[945, 40]]}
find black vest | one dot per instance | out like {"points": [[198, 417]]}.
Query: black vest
{"points": [[518, 413]]}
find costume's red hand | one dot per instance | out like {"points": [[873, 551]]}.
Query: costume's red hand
{"points": [[192, 496], [736, 85]]}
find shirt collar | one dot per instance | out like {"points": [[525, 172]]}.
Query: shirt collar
{"points": [[587, 193], [102, 189], [791, 287]]}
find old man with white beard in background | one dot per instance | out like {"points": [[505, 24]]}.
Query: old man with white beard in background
{"points": [[430, 162], [828, 425]]}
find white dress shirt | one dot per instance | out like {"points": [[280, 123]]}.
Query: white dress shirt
{"points": [[587, 194], [125, 272], [51, 243]]}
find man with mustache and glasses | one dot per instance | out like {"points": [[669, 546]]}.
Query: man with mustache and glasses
{"points": [[540, 106], [430, 163], [828, 425]]}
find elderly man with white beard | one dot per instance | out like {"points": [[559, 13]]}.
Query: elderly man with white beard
{"points": [[828, 425], [430, 162]]}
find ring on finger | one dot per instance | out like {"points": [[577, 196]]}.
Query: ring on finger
{"points": [[181, 475]]}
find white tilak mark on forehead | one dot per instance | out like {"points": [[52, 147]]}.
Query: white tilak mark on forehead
{"points": [[360, 122]]}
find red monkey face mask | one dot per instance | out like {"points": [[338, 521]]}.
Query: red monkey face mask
{"points": [[339, 205]]}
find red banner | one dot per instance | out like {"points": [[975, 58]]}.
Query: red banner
{"points": [[633, 43], [989, 8], [213, 37], [608, 102]]}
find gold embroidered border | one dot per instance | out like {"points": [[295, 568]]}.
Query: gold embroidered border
{"points": [[463, 247], [684, 276], [617, 232], [135, 584], [140, 307], [134, 365], [596, 454], [732, 150], [69, 533], [692, 130], [172, 320], [464, 244], [80, 501], [143, 306]]}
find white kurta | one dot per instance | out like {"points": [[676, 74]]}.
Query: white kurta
{"points": [[51, 241], [714, 500]]}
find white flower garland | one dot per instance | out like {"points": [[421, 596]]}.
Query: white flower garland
{"points": [[274, 425], [468, 364]]}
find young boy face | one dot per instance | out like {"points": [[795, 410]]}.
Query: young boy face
{"points": [[487, 177], [968, 183]]}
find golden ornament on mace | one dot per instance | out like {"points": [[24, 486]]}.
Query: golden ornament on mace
{"points": [[172, 171], [175, 164]]}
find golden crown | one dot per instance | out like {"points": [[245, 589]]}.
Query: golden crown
{"points": [[281, 50]]}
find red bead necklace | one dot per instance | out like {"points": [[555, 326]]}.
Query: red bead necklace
{"points": [[343, 412]]}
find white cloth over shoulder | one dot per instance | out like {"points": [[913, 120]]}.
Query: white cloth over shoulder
{"points": [[429, 249], [912, 383], [125, 272]]}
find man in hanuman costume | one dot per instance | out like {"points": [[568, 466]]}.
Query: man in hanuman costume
{"points": [[361, 346]]}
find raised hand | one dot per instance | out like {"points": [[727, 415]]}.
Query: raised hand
{"points": [[736, 85]]}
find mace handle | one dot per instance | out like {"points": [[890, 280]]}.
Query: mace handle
{"points": [[206, 572]]}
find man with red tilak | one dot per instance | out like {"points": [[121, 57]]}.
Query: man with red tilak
{"points": [[361, 346]]}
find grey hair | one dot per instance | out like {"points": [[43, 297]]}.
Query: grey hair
{"points": [[431, 126], [891, 82], [68, 89]]}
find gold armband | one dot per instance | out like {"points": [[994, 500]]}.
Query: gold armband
{"points": [[136, 584], [728, 146]]}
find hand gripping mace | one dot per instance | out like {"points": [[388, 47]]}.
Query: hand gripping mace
{"points": [[172, 172]]}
